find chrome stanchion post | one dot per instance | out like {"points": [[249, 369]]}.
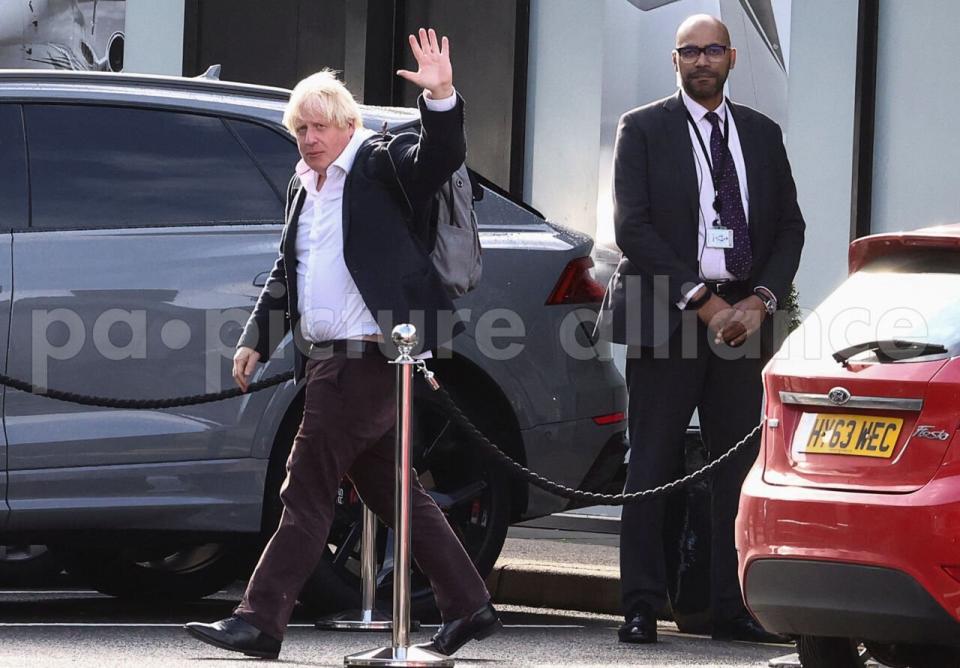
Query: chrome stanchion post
{"points": [[400, 653], [368, 565], [368, 618]]}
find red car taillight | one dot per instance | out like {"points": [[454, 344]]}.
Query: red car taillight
{"points": [[612, 418], [576, 285]]}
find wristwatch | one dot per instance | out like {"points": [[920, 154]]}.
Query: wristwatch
{"points": [[769, 301]]}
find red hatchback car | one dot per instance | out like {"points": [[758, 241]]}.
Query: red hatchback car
{"points": [[849, 525]]}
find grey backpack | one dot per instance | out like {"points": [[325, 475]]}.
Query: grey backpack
{"points": [[456, 249], [456, 253]]}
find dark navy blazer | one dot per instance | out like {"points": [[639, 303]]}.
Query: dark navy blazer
{"points": [[387, 203]]}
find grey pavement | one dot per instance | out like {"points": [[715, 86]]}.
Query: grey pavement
{"points": [[63, 625], [84, 629]]}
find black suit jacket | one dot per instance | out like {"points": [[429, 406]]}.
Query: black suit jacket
{"points": [[656, 217], [386, 235]]}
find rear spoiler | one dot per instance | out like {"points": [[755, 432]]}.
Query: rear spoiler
{"points": [[868, 249]]}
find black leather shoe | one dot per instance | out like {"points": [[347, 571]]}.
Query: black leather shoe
{"points": [[747, 629], [640, 628], [236, 635], [457, 633]]}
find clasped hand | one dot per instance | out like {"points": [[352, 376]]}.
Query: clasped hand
{"points": [[732, 325]]}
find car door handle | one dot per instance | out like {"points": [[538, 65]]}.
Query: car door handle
{"points": [[261, 279]]}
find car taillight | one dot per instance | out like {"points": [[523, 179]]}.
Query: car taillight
{"points": [[576, 285], [612, 418]]}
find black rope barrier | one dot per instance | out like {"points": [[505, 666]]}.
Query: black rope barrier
{"points": [[140, 404], [457, 416], [594, 498]]}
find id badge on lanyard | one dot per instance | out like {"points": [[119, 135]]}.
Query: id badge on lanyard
{"points": [[719, 237]]}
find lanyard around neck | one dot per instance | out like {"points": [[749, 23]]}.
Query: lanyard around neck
{"points": [[725, 136]]}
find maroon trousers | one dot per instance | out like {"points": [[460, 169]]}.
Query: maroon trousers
{"points": [[348, 430]]}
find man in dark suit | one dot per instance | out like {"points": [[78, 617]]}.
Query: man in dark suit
{"points": [[353, 263], [706, 215]]}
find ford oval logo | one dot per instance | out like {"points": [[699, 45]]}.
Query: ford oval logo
{"points": [[839, 395]]}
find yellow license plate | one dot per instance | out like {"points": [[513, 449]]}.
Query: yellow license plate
{"points": [[858, 435]]}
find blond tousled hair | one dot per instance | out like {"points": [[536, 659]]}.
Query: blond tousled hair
{"points": [[325, 96]]}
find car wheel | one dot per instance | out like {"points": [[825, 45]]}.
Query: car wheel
{"points": [[27, 564], [474, 496], [904, 655], [823, 652], [182, 572]]}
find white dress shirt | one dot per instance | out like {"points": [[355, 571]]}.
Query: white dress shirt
{"points": [[713, 265], [329, 302]]}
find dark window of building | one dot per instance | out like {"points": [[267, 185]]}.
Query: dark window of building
{"points": [[277, 153], [489, 43], [13, 184], [275, 43], [367, 41], [95, 166]]}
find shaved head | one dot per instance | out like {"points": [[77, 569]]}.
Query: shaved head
{"points": [[703, 24], [703, 76]]}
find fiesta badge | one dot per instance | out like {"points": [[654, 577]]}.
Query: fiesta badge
{"points": [[931, 432]]}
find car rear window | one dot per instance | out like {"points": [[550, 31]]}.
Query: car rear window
{"points": [[276, 153], [13, 167], [100, 166], [912, 296]]}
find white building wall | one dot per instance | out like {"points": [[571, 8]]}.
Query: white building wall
{"points": [[917, 147], [564, 93], [819, 134], [154, 37]]}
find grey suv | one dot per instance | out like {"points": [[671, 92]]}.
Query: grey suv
{"points": [[139, 218]]}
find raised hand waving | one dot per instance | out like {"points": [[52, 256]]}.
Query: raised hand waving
{"points": [[434, 73]]}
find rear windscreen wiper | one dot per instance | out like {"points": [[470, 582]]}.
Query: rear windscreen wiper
{"points": [[890, 350]]}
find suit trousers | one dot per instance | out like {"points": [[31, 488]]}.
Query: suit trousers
{"points": [[348, 430], [665, 385]]}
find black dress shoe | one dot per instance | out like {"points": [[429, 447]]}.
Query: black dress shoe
{"points": [[236, 635], [640, 628], [747, 629], [457, 633]]}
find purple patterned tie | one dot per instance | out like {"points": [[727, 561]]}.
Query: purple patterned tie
{"points": [[739, 258]]}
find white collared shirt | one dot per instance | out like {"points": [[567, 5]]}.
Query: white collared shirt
{"points": [[712, 262], [329, 302]]}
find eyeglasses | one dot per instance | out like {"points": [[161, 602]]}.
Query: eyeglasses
{"points": [[713, 52]]}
